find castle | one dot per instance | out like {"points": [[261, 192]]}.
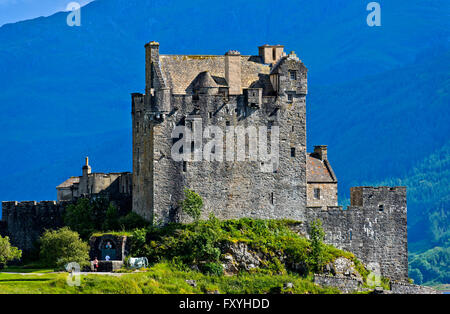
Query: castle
{"points": [[234, 92]]}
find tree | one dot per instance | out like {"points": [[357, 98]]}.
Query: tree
{"points": [[111, 218], [79, 217], [316, 235], [192, 204], [87, 216], [8, 252], [63, 246]]}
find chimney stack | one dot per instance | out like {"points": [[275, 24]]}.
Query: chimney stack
{"points": [[86, 168], [270, 54], [233, 72], [151, 56], [321, 152]]}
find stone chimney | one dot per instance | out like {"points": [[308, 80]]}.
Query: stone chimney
{"points": [[151, 55], [270, 54], [321, 152], [86, 168], [233, 72]]}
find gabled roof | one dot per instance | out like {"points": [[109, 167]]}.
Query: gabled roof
{"points": [[319, 171], [69, 182]]}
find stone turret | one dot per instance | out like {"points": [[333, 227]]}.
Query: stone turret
{"points": [[86, 168]]}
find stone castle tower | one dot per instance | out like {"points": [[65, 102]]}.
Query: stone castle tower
{"points": [[236, 92], [229, 91]]}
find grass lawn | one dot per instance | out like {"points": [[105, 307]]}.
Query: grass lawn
{"points": [[161, 278]]}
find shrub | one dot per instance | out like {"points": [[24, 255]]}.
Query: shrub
{"points": [[80, 217], [59, 247], [111, 218], [192, 204], [317, 235], [138, 242], [212, 269], [132, 221], [8, 252]]}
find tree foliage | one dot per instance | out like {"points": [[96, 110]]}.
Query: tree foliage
{"points": [[7, 252], [192, 204], [317, 235], [63, 246]]}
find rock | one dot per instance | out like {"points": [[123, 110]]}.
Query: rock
{"points": [[192, 283], [239, 257], [342, 267]]}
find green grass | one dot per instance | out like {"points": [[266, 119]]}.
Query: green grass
{"points": [[162, 278], [115, 233], [21, 269]]}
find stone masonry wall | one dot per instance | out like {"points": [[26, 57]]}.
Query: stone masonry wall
{"points": [[230, 189], [377, 237], [328, 194], [346, 285], [25, 221]]}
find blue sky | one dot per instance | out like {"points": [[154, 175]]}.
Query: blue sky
{"points": [[18, 10]]}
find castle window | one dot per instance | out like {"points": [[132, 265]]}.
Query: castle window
{"points": [[184, 166], [293, 75], [350, 235], [274, 54], [292, 128], [290, 97], [381, 207], [137, 127], [271, 198], [292, 151], [210, 115], [228, 123], [317, 194], [192, 146]]}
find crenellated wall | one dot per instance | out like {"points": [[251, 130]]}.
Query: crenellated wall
{"points": [[376, 235], [24, 222]]}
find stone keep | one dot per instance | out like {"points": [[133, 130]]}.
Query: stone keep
{"points": [[268, 90], [228, 91]]}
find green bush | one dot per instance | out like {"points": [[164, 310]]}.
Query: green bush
{"points": [[138, 242], [63, 246], [317, 235], [132, 221], [7, 252], [80, 217], [212, 269], [192, 204], [201, 243], [111, 218]]}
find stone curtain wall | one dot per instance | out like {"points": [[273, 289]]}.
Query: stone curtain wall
{"points": [[346, 285], [405, 288], [349, 285], [376, 237], [26, 221]]}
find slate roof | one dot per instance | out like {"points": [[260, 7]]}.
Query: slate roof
{"points": [[69, 182], [204, 80], [179, 71], [319, 171]]}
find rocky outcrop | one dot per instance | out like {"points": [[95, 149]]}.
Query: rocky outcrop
{"points": [[342, 267], [237, 257]]}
